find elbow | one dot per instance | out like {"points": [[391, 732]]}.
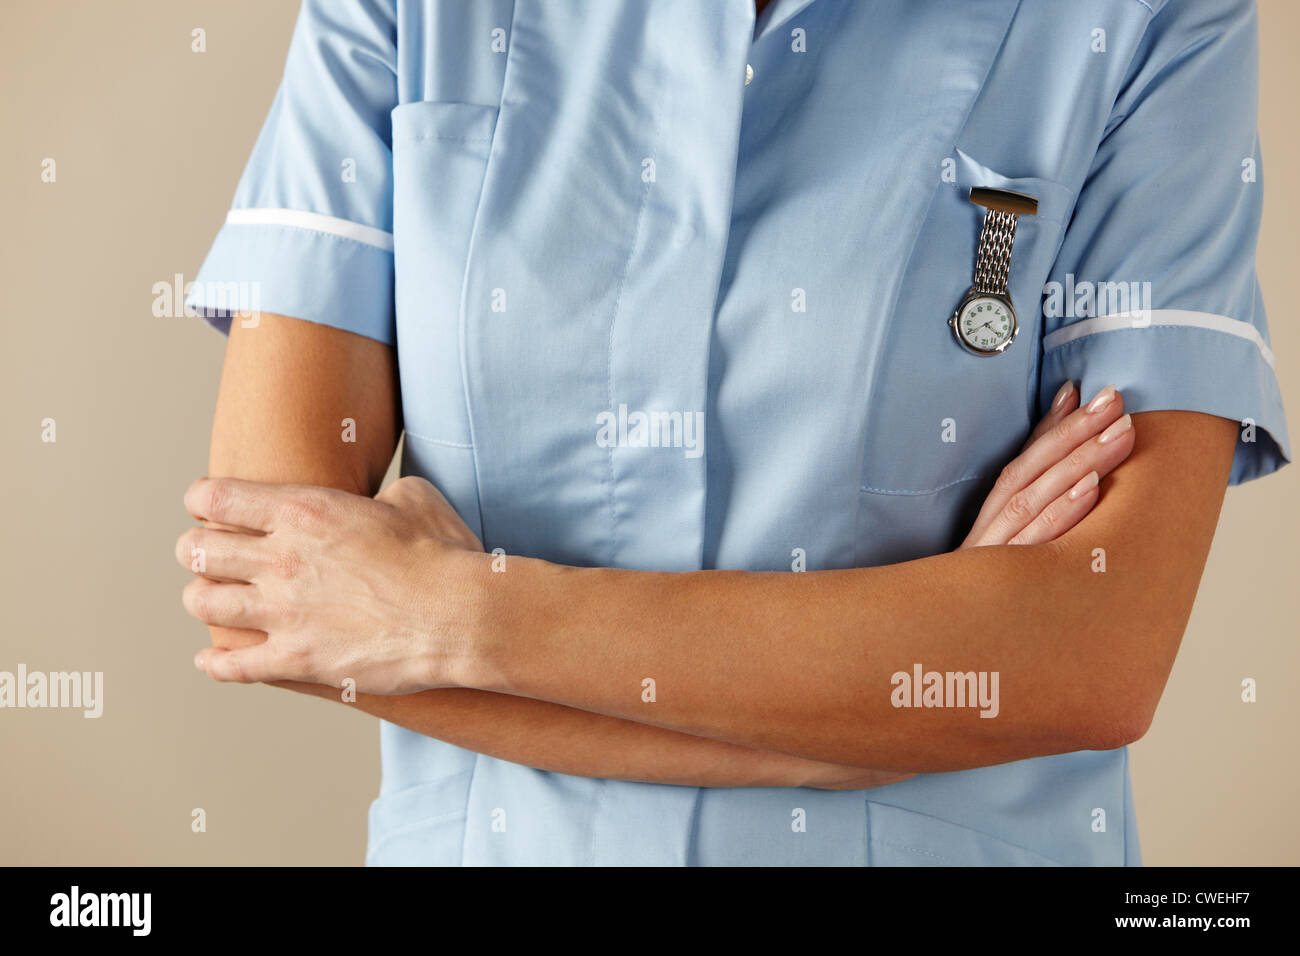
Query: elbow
{"points": [[1112, 727], [1121, 711], [1123, 676]]}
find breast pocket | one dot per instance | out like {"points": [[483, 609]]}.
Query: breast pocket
{"points": [[942, 421], [440, 159]]}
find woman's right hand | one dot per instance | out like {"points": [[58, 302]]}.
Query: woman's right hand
{"points": [[1052, 484]]}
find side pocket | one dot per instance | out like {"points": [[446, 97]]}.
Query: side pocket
{"points": [[422, 825], [898, 837]]}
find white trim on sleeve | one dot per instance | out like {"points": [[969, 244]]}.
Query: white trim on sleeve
{"points": [[1140, 320], [299, 219]]}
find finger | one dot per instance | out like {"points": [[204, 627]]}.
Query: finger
{"points": [[228, 638], [1052, 446], [1062, 514], [1102, 454], [245, 665], [227, 555], [255, 505], [224, 605], [1065, 402]]}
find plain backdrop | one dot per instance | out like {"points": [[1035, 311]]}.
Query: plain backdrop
{"points": [[149, 140]]}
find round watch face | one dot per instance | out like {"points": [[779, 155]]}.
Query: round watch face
{"points": [[985, 324]]}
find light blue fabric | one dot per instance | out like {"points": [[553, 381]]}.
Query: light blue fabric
{"points": [[576, 207]]}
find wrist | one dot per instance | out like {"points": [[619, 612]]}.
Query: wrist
{"points": [[455, 617], [522, 608], [496, 604]]}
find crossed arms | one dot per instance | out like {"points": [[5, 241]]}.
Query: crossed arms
{"points": [[1083, 657]]}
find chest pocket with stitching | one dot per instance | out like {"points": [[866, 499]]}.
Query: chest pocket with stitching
{"points": [[942, 422]]}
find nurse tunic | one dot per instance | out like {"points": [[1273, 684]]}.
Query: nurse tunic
{"points": [[560, 212]]}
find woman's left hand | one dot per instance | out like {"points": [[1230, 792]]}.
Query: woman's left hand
{"points": [[377, 590]]}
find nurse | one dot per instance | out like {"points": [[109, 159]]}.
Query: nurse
{"points": [[495, 227]]}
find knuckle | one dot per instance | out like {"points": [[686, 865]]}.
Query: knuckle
{"points": [[1009, 477], [284, 611], [185, 545], [1019, 506], [242, 606], [193, 497], [237, 672], [295, 658], [302, 655], [303, 510], [286, 564], [216, 497], [197, 599], [1077, 458], [410, 488], [1061, 431]]}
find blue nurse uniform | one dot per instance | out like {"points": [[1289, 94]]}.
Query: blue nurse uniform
{"points": [[555, 209]]}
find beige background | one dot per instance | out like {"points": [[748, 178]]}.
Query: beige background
{"points": [[150, 140]]}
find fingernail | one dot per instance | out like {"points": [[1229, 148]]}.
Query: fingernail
{"points": [[198, 661], [1104, 398], [1085, 485], [1117, 428], [1062, 395]]}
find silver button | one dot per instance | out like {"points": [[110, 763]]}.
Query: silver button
{"points": [[749, 73]]}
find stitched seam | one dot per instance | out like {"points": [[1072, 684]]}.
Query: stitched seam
{"points": [[319, 232], [439, 441], [1034, 376], [434, 137], [1127, 782], [1153, 327], [462, 318], [913, 849], [613, 324], [891, 319], [930, 491], [404, 830], [597, 802], [982, 833], [693, 835]]}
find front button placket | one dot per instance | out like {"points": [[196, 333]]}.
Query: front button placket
{"points": [[660, 336]]}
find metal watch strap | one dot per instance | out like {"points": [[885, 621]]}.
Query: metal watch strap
{"points": [[993, 262]]}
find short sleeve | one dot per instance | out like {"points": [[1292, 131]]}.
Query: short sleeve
{"points": [[309, 233], [1154, 288]]}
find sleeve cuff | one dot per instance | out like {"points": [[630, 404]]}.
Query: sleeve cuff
{"points": [[1169, 364], [331, 278]]}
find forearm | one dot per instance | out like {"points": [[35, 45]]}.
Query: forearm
{"points": [[287, 389], [564, 740], [803, 663]]}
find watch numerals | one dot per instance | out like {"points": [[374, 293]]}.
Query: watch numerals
{"points": [[984, 324]]}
